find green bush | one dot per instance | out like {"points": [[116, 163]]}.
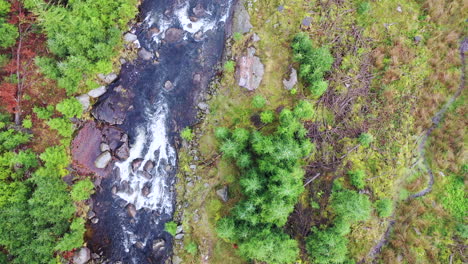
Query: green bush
{"points": [[258, 102], [70, 108], [63, 126], [171, 227], [327, 247], [187, 134], [351, 206], [82, 190], [229, 66], [27, 123], [357, 178], [384, 207], [73, 239], [222, 133], [267, 117]]}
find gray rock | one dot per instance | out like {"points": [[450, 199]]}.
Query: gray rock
{"points": [[255, 38], [198, 36], [131, 210], [103, 160], [115, 107], [179, 236], [241, 20], [306, 22], [158, 244], [136, 163], [193, 167], [398, 9], [123, 152], [82, 256], [97, 92], [249, 72], [109, 78], [84, 101], [104, 147], [145, 191], [144, 54], [176, 260], [417, 39], [174, 35], [289, 84], [149, 165], [91, 214], [223, 193], [199, 11], [203, 106], [179, 229], [129, 37], [95, 220]]}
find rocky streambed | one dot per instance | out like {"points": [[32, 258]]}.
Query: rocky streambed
{"points": [[131, 145]]}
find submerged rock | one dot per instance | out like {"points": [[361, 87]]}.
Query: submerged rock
{"points": [[168, 85], [136, 163], [174, 35], [103, 160], [82, 256], [149, 165]]}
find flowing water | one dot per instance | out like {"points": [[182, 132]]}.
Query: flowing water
{"points": [[144, 183]]}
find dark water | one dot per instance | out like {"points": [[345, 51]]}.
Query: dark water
{"points": [[157, 114]]}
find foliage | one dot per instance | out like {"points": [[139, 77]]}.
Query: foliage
{"points": [[82, 190], [63, 126], [237, 36], [363, 7], [351, 206], [229, 66], [187, 134], [271, 181], [70, 108], [171, 227], [98, 25], [357, 178], [8, 34], [10, 139], [314, 63], [27, 123], [73, 239], [454, 199], [44, 112], [365, 139], [384, 207], [258, 101], [267, 117], [222, 133]]}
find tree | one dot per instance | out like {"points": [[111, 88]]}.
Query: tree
{"points": [[258, 101], [82, 190], [351, 206], [267, 117], [327, 247]]}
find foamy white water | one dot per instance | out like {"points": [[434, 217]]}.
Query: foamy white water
{"points": [[151, 146]]}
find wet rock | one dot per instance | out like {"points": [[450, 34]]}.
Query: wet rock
{"points": [[95, 93], [203, 106], [91, 214], [124, 187], [136, 163], [109, 78], [289, 84], [168, 168], [144, 54], [82, 256], [174, 35], [103, 160], [84, 101], [104, 147], [149, 165], [241, 19], [199, 11], [131, 210], [95, 220], [145, 191], [147, 175], [114, 190], [139, 245], [306, 22], [179, 236], [197, 78], [198, 36], [249, 72], [158, 244], [114, 108], [129, 37], [223, 193], [153, 31], [123, 152], [168, 85]]}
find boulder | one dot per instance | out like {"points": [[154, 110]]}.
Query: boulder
{"points": [[168, 85], [131, 210], [149, 165], [241, 19], [145, 191], [223, 193], [114, 107], [103, 160], [249, 72], [84, 101], [82, 256], [174, 35], [203, 106], [158, 245], [255, 38], [109, 78], [179, 236], [129, 37], [136, 163], [123, 152], [144, 54], [289, 84], [104, 147], [97, 92]]}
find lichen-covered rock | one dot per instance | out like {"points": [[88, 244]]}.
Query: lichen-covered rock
{"points": [[241, 20], [82, 256], [249, 71], [289, 84]]}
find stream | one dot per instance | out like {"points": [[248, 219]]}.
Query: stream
{"points": [[182, 42]]}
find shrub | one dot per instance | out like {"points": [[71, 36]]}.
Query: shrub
{"points": [[187, 134], [237, 36], [304, 110], [267, 117], [63, 126], [222, 133], [229, 66], [365, 139], [384, 207], [192, 248], [82, 190], [351, 206], [258, 101], [171, 227], [44, 112], [27, 123], [357, 178], [327, 247], [70, 107]]}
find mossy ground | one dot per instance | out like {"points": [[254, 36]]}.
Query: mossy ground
{"points": [[383, 82]]}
